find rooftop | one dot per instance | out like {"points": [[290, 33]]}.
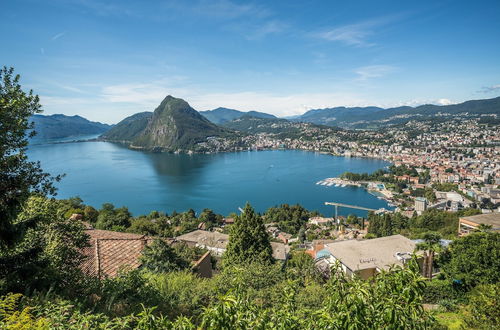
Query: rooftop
{"points": [[373, 253], [492, 219], [110, 251], [218, 240]]}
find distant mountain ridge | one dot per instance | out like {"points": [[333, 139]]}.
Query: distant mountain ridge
{"points": [[222, 115], [174, 125], [366, 117], [62, 126]]}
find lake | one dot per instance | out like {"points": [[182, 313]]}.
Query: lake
{"points": [[101, 172]]}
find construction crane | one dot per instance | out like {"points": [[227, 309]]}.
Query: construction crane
{"points": [[349, 207]]}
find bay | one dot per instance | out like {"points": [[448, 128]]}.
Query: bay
{"points": [[101, 172]]}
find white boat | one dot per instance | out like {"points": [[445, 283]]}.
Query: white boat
{"points": [[337, 185], [343, 185]]}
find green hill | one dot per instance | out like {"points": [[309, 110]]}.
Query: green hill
{"points": [[129, 128], [222, 115]]}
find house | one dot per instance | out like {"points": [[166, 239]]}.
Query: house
{"points": [[210, 240], [217, 243], [285, 237], [466, 225], [110, 251], [320, 221], [366, 258]]}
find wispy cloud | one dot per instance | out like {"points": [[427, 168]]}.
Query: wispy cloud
{"points": [[373, 71], [57, 36], [228, 9], [489, 89], [357, 34], [261, 30]]}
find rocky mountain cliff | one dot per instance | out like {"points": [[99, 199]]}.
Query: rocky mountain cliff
{"points": [[174, 125]]}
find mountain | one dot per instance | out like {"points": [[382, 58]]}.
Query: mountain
{"points": [[129, 128], [373, 117], [172, 126], [222, 115], [62, 126]]}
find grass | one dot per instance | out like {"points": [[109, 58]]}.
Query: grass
{"points": [[450, 320]]}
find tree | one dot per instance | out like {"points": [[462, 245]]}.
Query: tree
{"points": [[19, 177], [111, 218], [248, 240], [474, 259], [482, 311], [160, 257], [49, 255], [431, 244]]}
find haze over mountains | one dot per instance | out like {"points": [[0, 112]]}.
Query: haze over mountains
{"points": [[372, 117], [222, 115], [62, 126], [174, 124]]}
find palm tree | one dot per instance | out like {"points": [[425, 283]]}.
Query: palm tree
{"points": [[431, 244]]}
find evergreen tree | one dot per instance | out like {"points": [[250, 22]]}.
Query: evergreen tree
{"points": [[18, 176], [248, 240]]}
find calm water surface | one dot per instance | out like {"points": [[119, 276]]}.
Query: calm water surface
{"points": [[101, 172]]}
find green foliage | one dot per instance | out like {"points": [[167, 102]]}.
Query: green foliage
{"points": [[474, 259], [386, 224], [160, 257], [290, 219], [49, 254], [381, 175], [248, 240], [14, 317], [18, 176], [483, 311], [438, 291], [183, 293], [111, 218]]}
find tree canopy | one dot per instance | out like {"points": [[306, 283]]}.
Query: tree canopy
{"points": [[248, 240], [19, 177]]}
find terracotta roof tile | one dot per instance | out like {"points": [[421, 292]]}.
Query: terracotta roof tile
{"points": [[111, 251]]}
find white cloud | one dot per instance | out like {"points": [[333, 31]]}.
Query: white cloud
{"points": [[444, 102], [373, 71], [227, 9], [490, 89], [357, 34], [57, 36], [262, 30], [149, 95], [354, 35]]}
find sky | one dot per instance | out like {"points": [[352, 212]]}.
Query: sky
{"points": [[106, 60]]}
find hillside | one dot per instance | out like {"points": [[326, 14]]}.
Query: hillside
{"points": [[129, 128], [281, 128], [62, 126], [173, 125], [373, 117], [222, 115]]}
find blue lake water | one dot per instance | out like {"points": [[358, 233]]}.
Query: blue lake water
{"points": [[101, 172]]}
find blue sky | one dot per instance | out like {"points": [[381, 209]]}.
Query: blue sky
{"points": [[106, 60]]}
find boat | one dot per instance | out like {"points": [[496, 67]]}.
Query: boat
{"points": [[343, 185]]}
